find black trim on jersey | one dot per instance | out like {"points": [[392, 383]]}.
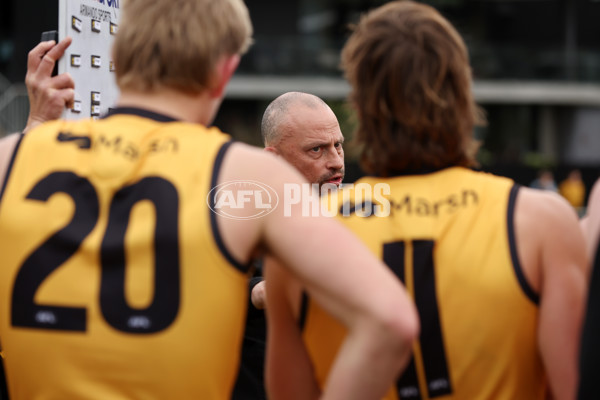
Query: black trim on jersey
{"points": [[510, 220], [303, 310], [140, 113], [10, 165], [213, 215], [3, 383]]}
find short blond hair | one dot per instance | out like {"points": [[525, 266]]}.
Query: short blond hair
{"points": [[176, 44]]}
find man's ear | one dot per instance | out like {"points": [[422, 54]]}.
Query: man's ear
{"points": [[224, 71], [273, 150]]}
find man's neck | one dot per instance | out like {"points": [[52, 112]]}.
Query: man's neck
{"points": [[197, 108]]}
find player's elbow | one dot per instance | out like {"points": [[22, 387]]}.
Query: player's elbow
{"points": [[399, 327], [406, 327]]}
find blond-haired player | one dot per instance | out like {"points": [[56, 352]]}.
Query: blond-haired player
{"points": [[123, 276]]}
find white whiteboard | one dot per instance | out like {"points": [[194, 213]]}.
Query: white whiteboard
{"points": [[92, 24]]}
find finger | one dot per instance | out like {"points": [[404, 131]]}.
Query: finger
{"points": [[62, 81], [57, 51], [35, 55], [68, 96], [51, 57]]}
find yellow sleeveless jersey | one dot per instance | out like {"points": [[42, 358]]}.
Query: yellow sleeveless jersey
{"points": [[114, 281], [450, 238]]}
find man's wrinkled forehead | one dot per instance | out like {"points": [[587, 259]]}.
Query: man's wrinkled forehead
{"points": [[308, 137], [307, 127]]}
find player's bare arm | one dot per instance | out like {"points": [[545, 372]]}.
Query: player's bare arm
{"points": [[286, 338], [552, 252]]}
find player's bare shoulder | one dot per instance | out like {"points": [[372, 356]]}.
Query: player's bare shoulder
{"points": [[247, 162], [251, 186], [542, 216], [546, 220], [547, 230], [547, 207]]}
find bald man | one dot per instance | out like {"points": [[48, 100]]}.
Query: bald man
{"points": [[303, 130]]}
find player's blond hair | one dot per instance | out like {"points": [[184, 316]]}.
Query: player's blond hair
{"points": [[411, 86], [176, 44]]}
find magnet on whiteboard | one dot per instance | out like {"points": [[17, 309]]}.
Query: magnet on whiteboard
{"points": [[75, 60], [96, 61], [76, 23], [96, 26], [96, 97], [113, 28]]}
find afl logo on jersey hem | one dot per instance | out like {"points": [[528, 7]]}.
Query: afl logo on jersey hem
{"points": [[242, 199]]}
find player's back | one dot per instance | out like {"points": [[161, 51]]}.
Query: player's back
{"points": [[450, 238], [113, 283]]}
